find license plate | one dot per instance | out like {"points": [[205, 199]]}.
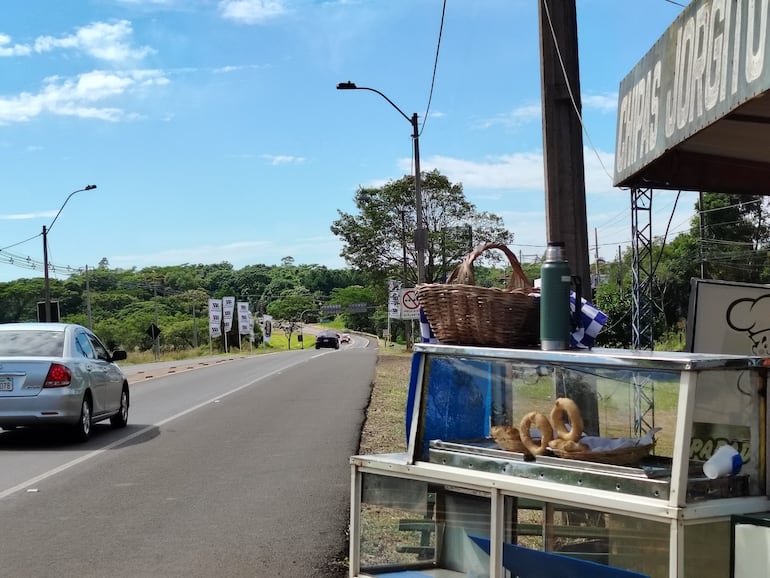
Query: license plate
{"points": [[6, 384]]}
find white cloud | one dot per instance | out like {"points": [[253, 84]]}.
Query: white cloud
{"points": [[25, 216], [7, 49], [315, 249], [528, 113], [603, 102], [79, 96], [517, 171], [283, 159], [514, 172], [109, 42], [251, 11], [159, 3], [238, 68], [517, 117]]}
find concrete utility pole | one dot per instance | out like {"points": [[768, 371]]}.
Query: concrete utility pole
{"points": [[565, 195]]}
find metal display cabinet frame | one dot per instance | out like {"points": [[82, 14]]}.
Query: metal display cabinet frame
{"points": [[457, 504]]}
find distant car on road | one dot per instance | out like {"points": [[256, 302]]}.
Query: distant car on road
{"points": [[59, 374], [345, 338], [327, 339]]}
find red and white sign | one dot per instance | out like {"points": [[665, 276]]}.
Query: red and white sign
{"points": [[410, 306]]}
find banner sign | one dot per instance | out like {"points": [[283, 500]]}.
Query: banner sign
{"points": [[394, 299], [215, 318], [245, 324], [709, 62], [267, 327], [228, 309]]}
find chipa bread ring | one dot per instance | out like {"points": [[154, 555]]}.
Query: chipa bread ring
{"points": [[507, 437], [546, 432], [566, 405]]}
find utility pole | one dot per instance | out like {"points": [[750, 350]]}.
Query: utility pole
{"points": [[565, 196], [596, 258]]}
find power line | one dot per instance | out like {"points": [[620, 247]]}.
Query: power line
{"points": [[435, 67], [569, 90]]}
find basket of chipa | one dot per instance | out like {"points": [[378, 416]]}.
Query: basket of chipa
{"points": [[570, 443], [462, 313]]}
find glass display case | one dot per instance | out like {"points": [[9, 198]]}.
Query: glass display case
{"points": [[572, 463]]}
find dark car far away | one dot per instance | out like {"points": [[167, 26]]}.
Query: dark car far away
{"points": [[327, 339], [59, 374]]}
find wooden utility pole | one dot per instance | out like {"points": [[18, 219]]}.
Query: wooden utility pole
{"points": [[565, 195]]}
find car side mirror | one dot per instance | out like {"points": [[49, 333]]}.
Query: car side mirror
{"points": [[118, 355]]}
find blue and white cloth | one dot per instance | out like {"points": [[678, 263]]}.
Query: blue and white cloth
{"points": [[426, 331], [592, 320]]}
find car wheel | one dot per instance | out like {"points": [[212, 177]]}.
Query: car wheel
{"points": [[82, 428], [120, 419]]}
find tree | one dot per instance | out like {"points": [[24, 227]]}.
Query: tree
{"points": [[359, 321], [734, 234], [379, 240], [291, 307]]}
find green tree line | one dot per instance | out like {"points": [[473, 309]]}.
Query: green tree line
{"points": [[727, 239]]}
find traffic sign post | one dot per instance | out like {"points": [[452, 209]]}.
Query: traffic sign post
{"points": [[410, 306]]}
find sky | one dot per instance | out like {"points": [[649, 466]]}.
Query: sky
{"points": [[214, 132]]}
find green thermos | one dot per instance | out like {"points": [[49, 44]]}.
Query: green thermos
{"points": [[555, 282]]}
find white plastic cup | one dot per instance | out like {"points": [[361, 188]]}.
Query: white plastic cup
{"points": [[726, 461]]}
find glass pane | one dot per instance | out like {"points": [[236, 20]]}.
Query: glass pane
{"points": [[466, 398], [581, 537], [398, 522], [727, 412], [407, 524], [31, 343]]}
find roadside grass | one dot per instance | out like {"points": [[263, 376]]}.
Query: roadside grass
{"points": [[384, 431], [278, 342]]}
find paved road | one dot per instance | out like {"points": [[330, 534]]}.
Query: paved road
{"points": [[239, 468]]}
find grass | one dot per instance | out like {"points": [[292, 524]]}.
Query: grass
{"points": [[383, 430], [278, 342]]}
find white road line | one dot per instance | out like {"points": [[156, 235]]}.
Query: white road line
{"points": [[59, 469]]}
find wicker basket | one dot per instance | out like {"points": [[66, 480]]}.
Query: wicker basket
{"points": [[461, 313], [619, 457]]}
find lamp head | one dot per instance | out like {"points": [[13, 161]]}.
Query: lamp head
{"points": [[89, 187], [347, 86]]}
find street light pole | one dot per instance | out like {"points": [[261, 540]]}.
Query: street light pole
{"points": [[420, 233], [46, 280]]}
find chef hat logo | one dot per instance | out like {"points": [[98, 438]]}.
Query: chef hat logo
{"points": [[752, 316]]}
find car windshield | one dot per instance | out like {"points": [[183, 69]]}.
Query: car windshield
{"points": [[37, 343]]}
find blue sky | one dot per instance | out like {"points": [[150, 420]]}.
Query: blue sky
{"points": [[214, 132]]}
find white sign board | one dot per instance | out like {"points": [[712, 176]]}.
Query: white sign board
{"points": [[410, 306], [727, 317], [394, 299]]}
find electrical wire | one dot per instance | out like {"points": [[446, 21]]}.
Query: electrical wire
{"points": [[435, 67], [20, 242], [569, 90]]}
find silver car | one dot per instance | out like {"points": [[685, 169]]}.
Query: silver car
{"points": [[59, 374]]}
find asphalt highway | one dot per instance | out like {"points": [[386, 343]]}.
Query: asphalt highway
{"points": [[228, 467]]}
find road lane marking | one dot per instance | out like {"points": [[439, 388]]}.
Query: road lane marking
{"points": [[59, 469]]}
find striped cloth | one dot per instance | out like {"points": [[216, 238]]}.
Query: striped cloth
{"points": [[426, 332], [592, 320]]}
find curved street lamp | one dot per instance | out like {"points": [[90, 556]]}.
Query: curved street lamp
{"points": [[420, 234], [46, 281]]}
